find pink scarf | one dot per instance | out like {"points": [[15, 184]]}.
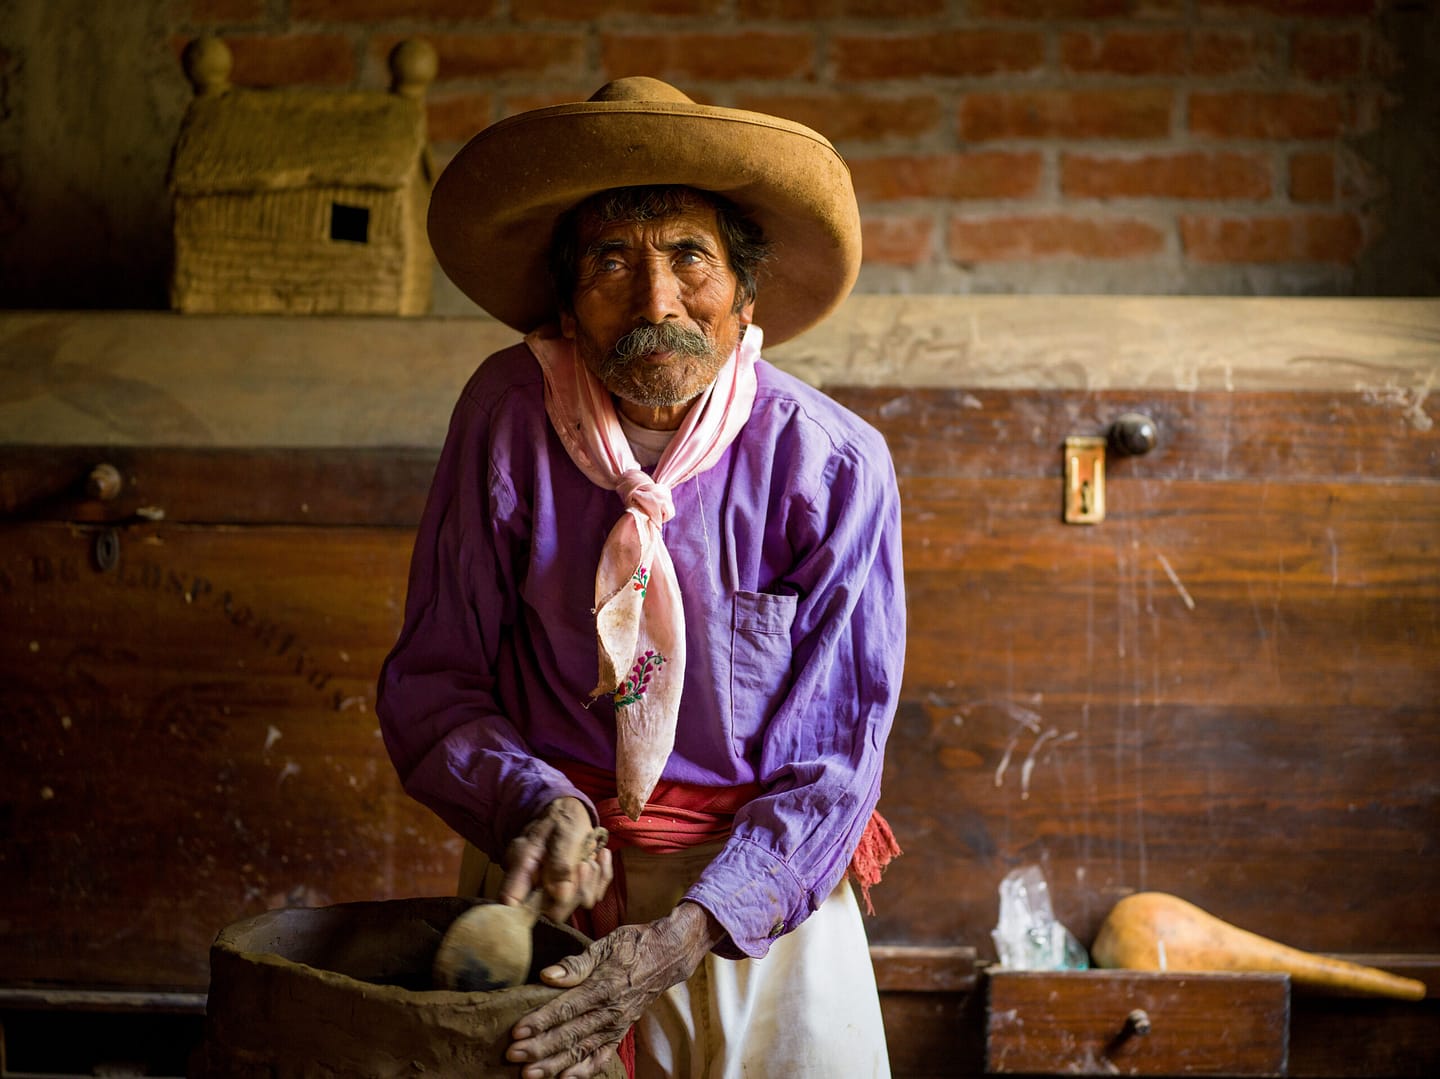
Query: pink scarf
{"points": [[639, 619]]}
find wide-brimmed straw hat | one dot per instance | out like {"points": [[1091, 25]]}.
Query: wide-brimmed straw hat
{"points": [[494, 208]]}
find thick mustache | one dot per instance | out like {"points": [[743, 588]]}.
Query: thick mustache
{"points": [[662, 337]]}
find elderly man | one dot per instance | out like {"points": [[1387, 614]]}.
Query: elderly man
{"points": [[657, 587]]}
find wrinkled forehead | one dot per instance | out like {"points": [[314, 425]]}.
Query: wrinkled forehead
{"points": [[675, 208], [695, 227]]}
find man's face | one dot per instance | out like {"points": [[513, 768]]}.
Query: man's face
{"points": [[653, 315]]}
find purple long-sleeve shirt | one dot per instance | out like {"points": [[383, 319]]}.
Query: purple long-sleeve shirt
{"points": [[788, 556]]}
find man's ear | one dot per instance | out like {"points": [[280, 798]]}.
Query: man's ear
{"points": [[567, 324], [746, 313]]}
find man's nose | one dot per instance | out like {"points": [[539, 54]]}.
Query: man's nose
{"points": [[656, 296]]}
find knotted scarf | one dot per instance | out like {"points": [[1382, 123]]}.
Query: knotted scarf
{"points": [[639, 619]]}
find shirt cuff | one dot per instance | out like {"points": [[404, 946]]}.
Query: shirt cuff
{"points": [[532, 792], [753, 895]]}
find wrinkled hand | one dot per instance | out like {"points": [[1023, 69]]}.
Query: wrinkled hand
{"points": [[610, 984], [555, 853]]}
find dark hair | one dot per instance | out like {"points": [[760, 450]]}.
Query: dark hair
{"points": [[745, 245]]}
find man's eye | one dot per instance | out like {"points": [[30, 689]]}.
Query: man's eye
{"points": [[606, 265], [688, 258]]}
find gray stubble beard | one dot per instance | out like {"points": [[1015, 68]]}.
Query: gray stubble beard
{"points": [[617, 371]]}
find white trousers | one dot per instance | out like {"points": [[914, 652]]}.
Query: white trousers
{"points": [[808, 1009]]}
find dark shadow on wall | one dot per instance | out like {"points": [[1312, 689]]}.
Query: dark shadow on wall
{"points": [[91, 98], [1405, 259]]}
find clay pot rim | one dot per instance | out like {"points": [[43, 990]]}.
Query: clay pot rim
{"points": [[226, 944]]}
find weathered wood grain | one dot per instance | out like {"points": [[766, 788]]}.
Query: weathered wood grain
{"points": [[190, 738], [1070, 694], [149, 378], [1227, 690], [929, 969], [202, 485], [1333, 1036], [930, 1035], [1168, 700], [1280, 436], [1082, 343]]}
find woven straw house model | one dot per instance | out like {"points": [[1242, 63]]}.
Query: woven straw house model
{"points": [[302, 201]]}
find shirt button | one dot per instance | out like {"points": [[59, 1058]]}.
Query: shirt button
{"points": [[777, 930]]}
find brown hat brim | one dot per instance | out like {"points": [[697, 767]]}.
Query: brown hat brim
{"points": [[494, 208]]}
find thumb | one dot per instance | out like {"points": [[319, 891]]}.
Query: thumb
{"points": [[569, 971]]}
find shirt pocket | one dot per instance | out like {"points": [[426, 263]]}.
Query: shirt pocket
{"points": [[760, 657]]}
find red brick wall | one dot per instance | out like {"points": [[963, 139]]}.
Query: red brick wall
{"points": [[1069, 145]]}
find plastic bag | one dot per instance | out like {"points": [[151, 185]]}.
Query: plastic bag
{"points": [[1027, 936]]}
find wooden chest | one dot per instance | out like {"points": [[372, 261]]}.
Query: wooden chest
{"points": [[1227, 689]]}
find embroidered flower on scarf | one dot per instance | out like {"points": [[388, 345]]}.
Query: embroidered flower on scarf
{"points": [[640, 580], [638, 681]]}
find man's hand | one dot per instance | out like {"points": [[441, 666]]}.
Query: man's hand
{"points": [[556, 853], [614, 981]]}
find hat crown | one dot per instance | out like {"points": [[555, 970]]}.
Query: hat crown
{"points": [[494, 208], [640, 88]]}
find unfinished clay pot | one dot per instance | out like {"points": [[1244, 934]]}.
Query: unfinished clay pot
{"points": [[302, 993]]}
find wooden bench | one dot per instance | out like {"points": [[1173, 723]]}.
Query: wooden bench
{"points": [[1228, 689]]}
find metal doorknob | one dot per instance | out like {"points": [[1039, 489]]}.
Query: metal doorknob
{"points": [[1134, 434], [104, 482]]}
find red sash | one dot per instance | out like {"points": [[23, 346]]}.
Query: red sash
{"points": [[679, 816]]}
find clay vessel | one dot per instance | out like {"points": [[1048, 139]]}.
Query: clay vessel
{"points": [[301, 993]]}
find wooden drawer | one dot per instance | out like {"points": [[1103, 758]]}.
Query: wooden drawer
{"points": [[1103, 1022]]}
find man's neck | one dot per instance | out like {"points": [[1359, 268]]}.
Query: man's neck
{"points": [[665, 418]]}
